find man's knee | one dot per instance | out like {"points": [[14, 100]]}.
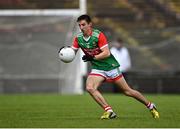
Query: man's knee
{"points": [[90, 88]]}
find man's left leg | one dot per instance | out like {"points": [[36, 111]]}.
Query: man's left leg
{"points": [[137, 95]]}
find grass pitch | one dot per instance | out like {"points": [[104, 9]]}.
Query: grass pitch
{"points": [[80, 111]]}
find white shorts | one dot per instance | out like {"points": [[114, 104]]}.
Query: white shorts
{"points": [[109, 76]]}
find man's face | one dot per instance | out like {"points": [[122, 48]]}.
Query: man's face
{"points": [[84, 26]]}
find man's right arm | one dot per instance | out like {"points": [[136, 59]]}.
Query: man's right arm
{"points": [[75, 45]]}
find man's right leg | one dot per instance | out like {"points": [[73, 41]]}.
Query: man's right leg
{"points": [[92, 83]]}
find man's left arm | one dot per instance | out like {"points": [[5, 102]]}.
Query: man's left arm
{"points": [[104, 54], [103, 45]]}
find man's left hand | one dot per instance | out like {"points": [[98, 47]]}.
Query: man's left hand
{"points": [[86, 58]]}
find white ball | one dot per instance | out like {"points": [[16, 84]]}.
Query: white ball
{"points": [[67, 54]]}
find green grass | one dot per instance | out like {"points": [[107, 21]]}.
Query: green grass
{"points": [[57, 111]]}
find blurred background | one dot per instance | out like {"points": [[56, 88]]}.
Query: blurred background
{"points": [[29, 42]]}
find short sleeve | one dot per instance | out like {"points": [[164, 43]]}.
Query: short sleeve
{"points": [[102, 42], [75, 43]]}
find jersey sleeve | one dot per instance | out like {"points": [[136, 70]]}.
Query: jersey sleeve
{"points": [[75, 44], [102, 42]]}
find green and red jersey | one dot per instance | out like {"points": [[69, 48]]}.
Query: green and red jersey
{"points": [[92, 46]]}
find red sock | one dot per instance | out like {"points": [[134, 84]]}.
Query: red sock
{"points": [[150, 105], [108, 109]]}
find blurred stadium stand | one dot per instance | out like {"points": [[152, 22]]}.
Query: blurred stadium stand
{"points": [[150, 29]]}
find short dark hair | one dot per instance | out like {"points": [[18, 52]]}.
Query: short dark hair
{"points": [[84, 17]]}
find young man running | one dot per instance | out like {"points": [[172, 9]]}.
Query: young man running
{"points": [[104, 67]]}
